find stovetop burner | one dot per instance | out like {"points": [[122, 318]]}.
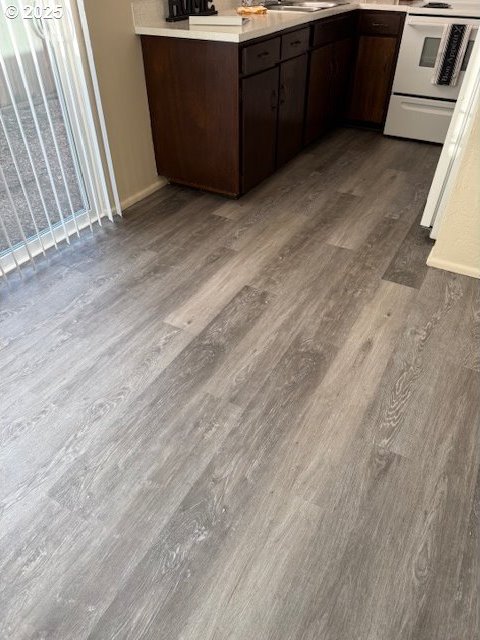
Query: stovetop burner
{"points": [[436, 5]]}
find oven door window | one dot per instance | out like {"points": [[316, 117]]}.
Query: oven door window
{"points": [[430, 52]]}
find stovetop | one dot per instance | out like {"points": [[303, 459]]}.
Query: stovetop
{"points": [[436, 5], [469, 8]]}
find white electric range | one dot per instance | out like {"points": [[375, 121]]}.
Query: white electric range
{"points": [[418, 108]]}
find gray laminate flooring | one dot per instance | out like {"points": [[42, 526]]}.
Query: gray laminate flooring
{"points": [[246, 420]]}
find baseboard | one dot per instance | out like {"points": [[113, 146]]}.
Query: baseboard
{"points": [[455, 267], [144, 193]]}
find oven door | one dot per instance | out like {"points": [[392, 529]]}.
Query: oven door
{"points": [[418, 53]]}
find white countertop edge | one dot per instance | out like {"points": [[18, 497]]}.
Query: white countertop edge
{"points": [[254, 29], [190, 35]]}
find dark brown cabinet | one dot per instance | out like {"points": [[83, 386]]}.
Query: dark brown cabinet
{"points": [[330, 68], [259, 126], [291, 107], [377, 50], [342, 77], [328, 83], [319, 104], [225, 115], [193, 103], [273, 104]]}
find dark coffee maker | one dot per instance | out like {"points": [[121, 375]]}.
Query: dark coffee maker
{"points": [[181, 9]]}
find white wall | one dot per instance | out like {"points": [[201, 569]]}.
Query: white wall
{"points": [[118, 60], [458, 242]]}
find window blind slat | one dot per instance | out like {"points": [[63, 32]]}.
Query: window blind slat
{"points": [[21, 182], [15, 212], [56, 175], [33, 110], [25, 141], [50, 123]]}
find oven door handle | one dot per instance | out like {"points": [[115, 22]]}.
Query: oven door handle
{"points": [[429, 23], [430, 109]]}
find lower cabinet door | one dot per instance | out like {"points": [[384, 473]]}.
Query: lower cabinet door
{"points": [[291, 109], [259, 126], [320, 100], [343, 65], [374, 70]]}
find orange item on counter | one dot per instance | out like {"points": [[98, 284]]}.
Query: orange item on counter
{"points": [[257, 10]]}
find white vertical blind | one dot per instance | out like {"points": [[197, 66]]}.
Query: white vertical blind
{"points": [[56, 174]]}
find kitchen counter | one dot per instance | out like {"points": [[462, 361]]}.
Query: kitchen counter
{"points": [[149, 20]]}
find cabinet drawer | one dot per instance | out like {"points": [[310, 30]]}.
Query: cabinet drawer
{"points": [[327, 31], [295, 43], [260, 56], [419, 118], [380, 23]]}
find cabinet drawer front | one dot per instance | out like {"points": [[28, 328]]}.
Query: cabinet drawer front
{"points": [[380, 23], [295, 43], [260, 56], [259, 126], [327, 31]]}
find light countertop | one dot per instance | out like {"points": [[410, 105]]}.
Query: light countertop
{"points": [[149, 19]]}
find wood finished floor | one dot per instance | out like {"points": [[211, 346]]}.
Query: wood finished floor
{"points": [[246, 420]]}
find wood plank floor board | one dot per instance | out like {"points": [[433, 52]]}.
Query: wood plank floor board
{"points": [[356, 285], [300, 280], [250, 596], [347, 390], [410, 565], [355, 227], [409, 264], [462, 333], [130, 447], [270, 193], [115, 345], [291, 601], [437, 558], [409, 153], [117, 544], [217, 291], [72, 298], [215, 504], [414, 550], [175, 238], [246, 419], [87, 250], [47, 540], [97, 402], [362, 177], [280, 367], [421, 369], [75, 323], [107, 406], [259, 219], [465, 612]]}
